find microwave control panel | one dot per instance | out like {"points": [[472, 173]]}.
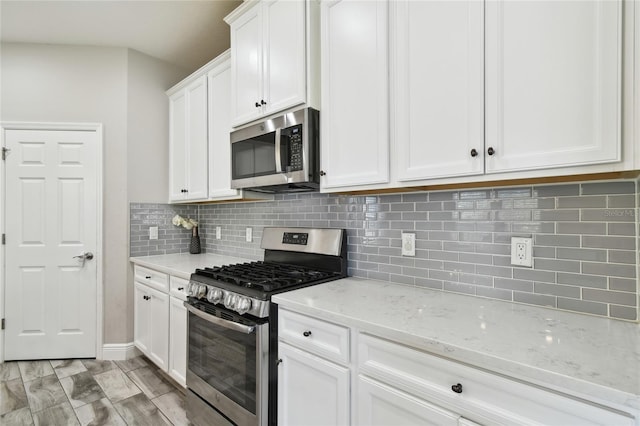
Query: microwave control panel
{"points": [[295, 148]]}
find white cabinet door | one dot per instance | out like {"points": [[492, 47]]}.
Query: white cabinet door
{"points": [[158, 328], [246, 65], [355, 102], [438, 88], [219, 130], [284, 54], [553, 83], [197, 160], [141, 332], [177, 142], [382, 405], [311, 390], [178, 341], [188, 161]]}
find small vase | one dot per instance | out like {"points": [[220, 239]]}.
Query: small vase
{"points": [[194, 246]]}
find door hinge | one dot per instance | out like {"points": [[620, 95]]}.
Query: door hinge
{"points": [[5, 151], [4, 239], [3, 323]]}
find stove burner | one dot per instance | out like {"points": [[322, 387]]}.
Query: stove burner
{"points": [[264, 276]]}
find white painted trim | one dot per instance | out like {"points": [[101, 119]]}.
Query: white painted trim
{"points": [[119, 351], [98, 128]]}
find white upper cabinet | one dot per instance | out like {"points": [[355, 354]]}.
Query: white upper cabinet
{"points": [[553, 83], [200, 146], [268, 58], [188, 142], [437, 88], [354, 121], [219, 80]]}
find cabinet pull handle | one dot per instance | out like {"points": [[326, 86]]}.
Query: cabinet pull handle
{"points": [[257, 105], [278, 362], [457, 388], [262, 102], [306, 333], [146, 297], [322, 173], [491, 151], [180, 288], [474, 153], [148, 277]]}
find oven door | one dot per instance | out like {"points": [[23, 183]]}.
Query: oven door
{"points": [[227, 363]]}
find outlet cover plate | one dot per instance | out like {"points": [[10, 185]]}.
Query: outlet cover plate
{"points": [[218, 232], [249, 235], [408, 244], [153, 232], [521, 251]]}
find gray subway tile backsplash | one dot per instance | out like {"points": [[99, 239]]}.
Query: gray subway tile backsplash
{"points": [[585, 236]]}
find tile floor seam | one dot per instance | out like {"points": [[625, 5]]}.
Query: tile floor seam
{"points": [[150, 408]]}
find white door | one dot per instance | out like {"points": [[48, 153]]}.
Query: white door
{"points": [[177, 146], [178, 340], [284, 58], [51, 221], [197, 160], [552, 83], [438, 88], [355, 101], [382, 405], [246, 66], [311, 391]]}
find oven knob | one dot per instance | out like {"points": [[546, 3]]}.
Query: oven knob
{"points": [[243, 305], [215, 295], [202, 291], [230, 301]]}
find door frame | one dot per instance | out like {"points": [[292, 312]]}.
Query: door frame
{"points": [[95, 127]]}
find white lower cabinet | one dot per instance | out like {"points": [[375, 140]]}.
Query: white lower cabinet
{"points": [[326, 380], [378, 405], [178, 340], [313, 371], [151, 321], [311, 390], [160, 320]]}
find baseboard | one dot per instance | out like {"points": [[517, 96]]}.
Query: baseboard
{"points": [[119, 351]]}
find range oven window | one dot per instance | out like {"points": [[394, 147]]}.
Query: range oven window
{"points": [[225, 359]]}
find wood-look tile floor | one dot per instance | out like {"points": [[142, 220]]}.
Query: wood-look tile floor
{"points": [[88, 392]]}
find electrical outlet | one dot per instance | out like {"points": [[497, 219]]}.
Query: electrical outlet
{"points": [[521, 251], [153, 232], [218, 232], [249, 235], [408, 244]]}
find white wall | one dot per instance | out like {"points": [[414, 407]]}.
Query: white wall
{"points": [[55, 83]]}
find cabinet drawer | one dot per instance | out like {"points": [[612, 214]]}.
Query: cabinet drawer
{"points": [[319, 337], [154, 279], [481, 396], [178, 287]]}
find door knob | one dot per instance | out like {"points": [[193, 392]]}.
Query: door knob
{"points": [[84, 256]]}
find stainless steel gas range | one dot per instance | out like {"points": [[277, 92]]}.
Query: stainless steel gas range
{"points": [[233, 325]]}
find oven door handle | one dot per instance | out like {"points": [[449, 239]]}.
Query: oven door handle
{"points": [[247, 329]]}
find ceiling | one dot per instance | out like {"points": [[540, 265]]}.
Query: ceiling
{"points": [[183, 32]]}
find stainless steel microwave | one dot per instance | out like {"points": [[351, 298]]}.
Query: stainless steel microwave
{"points": [[280, 154]]}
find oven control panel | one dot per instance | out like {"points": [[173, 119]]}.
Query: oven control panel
{"points": [[299, 238]]}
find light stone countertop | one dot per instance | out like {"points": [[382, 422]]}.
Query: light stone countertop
{"points": [[589, 357], [182, 265]]}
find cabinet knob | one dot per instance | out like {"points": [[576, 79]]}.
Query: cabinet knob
{"points": [[262, 102], [474, 153], [146, 297], [306, 333], [491, 151], [457, 388], [278, 362], [322, 173], [257, 105]]}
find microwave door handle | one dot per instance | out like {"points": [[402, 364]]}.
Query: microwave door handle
{"points": [[247, 329], [278, 159]]}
